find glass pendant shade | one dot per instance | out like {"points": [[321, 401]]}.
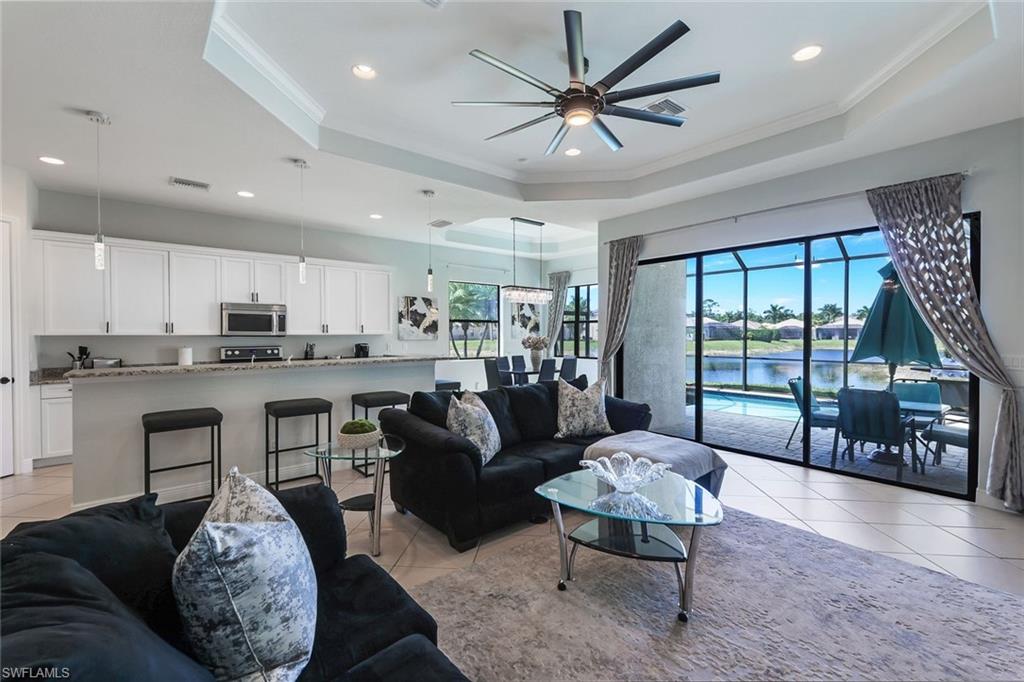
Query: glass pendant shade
{"points": [[99, 253], [520, 294], [430, 280], [302, 270]]}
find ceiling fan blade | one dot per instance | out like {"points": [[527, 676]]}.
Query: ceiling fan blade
{"points": [[574, 48], [513, 71], [521, 126], [671, 34], [608, 136], [642, 115], [504, 104], [557, 139], [662, 87]]}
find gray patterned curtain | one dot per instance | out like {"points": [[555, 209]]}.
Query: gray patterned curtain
{"points": [[559, 282], [923, 229], [623, 256]]}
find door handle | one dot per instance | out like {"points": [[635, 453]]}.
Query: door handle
{"points": [[167, 328], [108, 327], [6, 380], [257, 297], [172, 327]]}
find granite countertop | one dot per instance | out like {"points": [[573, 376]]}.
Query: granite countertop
{"points": [[48, 375], [233, 367]]}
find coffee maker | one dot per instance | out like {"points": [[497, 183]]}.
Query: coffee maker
{"points": [[362, 350]]}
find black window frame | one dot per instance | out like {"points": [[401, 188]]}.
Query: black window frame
{"points": [[465, 341], [580, 326]]}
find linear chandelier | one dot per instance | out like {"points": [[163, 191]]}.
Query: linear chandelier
{"points": [[515, 293]]}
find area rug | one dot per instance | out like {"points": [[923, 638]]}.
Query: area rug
{"points": [[770, 602]]}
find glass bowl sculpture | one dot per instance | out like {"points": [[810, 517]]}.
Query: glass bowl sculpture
{"points": [[624, 473]]}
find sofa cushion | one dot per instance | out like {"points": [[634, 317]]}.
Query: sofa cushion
{"points": [[411, 658], [534, 410], [431, 406], [124, 545], [55, 614], [245, 586], [497, 403], [624, 415], [579, 382], [509, 477], [558, 457], [361, 610]]}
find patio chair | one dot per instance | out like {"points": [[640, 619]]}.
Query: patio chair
{"points": [[927, 392], [568, 369], [547, 370], [519, 375], [821, 417], [504, 371], [874, 416], [941, 432]]}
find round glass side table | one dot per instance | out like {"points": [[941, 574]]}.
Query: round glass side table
{"points": [[387, 447]]}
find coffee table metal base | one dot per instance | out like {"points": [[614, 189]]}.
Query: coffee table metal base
{"points": [[634, 540]]}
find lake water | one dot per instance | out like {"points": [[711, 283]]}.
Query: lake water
{"points": [[776, 370]]}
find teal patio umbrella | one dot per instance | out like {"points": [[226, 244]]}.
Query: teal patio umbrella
{"points": [[893, 330]]}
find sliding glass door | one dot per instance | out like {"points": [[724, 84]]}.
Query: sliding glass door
{"points": [[747, 349]]}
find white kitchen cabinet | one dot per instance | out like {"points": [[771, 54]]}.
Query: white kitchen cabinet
{"points": [[374, 302], [269, 281], [237, 280], [305, 301], [341, 310], [74, 291], [55, 421], [194, 293], [138, 291]]}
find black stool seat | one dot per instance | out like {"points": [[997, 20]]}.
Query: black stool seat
{"points": [[447, 385], [380, 399], [177, 420], [298, 407]]}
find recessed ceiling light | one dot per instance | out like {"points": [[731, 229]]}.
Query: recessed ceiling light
{"points": [[572, 152], [245, 194], [807, 53], [52, 160], [376, 216], [364, 71]]}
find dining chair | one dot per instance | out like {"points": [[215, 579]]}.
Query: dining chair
{"points": [[547, 370], [568, 369], [504, 371], [519, 375], [492, 373], [874, 416], [821, 417]]}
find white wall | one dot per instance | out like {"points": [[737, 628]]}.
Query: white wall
{"points": [[995, 155]]}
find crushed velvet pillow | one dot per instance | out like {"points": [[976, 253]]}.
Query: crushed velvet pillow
{"points": [[471, 419], [581, 413]]}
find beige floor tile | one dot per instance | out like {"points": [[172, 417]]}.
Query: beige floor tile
{"points": [[55, 485], [833, 490], [410, 576], [1006, 543], [393, 544], [49, 510], [892, 493], [858, 534], [758, 473], [816, 510], [880, 512], [991, 518], [18, 485], [942, 514], [787, 489], [929, 540], [797, 523], [737, 485], [430, 549], [811, 475], [762, 506], [917, 560], [990, 571], [1019, 563], [15, 506], [59, 470], [391, 519]]}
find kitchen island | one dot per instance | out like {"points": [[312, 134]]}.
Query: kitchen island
{"points": [[109, 404]]}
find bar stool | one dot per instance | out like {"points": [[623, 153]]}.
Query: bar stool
{"points": [[180, 420], [285, 409], [374, 399], [447, 385]]}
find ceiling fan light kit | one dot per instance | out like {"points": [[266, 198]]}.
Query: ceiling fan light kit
{"points": [[581, 104]]}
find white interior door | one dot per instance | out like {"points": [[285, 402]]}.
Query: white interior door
{"points": [[195, 293], [6, 357]]}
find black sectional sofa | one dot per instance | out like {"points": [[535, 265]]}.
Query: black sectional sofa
{"points": [[439, 477], [88, 597]]}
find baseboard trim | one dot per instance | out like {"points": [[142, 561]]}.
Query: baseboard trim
{"points": [[184, 492]]}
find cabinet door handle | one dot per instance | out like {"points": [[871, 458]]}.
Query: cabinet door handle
{"points": [[108, 327], [252, 297], [172, 327], [327, 329], [257, 297], [362, 328], [167, 328]]}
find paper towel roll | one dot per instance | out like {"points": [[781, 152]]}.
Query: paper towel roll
{"points": [[185, 356]]}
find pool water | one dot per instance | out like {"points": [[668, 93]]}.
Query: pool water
{"points": [[750, 406]]}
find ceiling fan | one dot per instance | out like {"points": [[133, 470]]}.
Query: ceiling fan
{"points": [[581, 104]]}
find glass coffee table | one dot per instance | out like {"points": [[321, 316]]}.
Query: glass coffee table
{"points": [[388, 447], [636, 525]]}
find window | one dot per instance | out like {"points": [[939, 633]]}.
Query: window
{"points": [[473, 321], [579, 325]]}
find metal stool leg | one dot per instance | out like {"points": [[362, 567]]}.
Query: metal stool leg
{"points": [[147, 462], [266, 450], [277, 453], [213, 457], [219, 450]]}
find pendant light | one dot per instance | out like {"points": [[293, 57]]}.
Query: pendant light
{"points": [[521, 294], [429, 194], [99, 250], [302, 166]]}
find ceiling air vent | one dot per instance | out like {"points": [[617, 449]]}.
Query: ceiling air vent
{"points": [[185, 183], [666, 106], [440, 222]]}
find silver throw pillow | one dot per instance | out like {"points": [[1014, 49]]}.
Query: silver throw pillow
{"points": [[471, 419], [245, 587], [581, 413]]}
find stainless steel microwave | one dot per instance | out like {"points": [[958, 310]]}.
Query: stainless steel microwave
{"points": [[253, 319]]}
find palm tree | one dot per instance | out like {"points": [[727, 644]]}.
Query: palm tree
{"points": [[465, 302], [710, 307], [862, 312], [827, 313], [776, 313]]}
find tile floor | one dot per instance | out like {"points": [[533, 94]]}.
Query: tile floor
{"points": [[975, 543]]}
